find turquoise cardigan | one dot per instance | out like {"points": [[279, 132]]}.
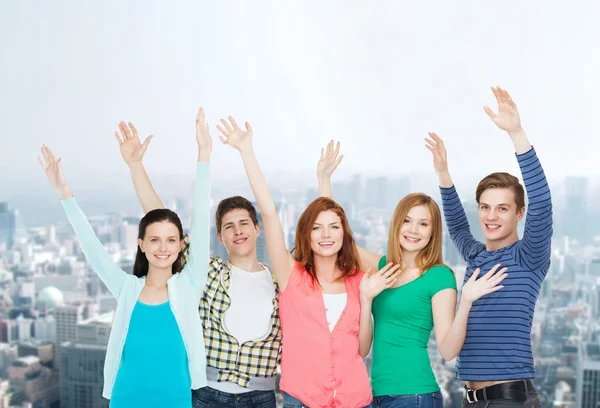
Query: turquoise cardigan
{"points": [[184, 289]]}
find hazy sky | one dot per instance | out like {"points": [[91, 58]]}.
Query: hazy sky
{"points": [[375, 75]]}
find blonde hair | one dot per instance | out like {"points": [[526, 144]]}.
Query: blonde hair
{"points": [[429, 256]]}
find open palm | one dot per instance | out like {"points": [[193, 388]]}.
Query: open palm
{"points": [[53, 169], [329, 160], [372, 284], [475, 288], [507, 118], [234, 136], [436, 146], [131, 148]]}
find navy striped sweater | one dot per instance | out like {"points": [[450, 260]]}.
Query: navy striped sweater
{"points": [[498, 341]]}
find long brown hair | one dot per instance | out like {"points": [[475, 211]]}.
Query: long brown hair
{"points": [[429, 256], [348, 260]]}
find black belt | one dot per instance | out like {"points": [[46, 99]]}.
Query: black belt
{"points": [[514, 390]]}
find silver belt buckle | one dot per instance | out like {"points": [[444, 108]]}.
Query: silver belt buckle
{"points": [[474, 398]]}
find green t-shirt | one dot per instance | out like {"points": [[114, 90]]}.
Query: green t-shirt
{"points": [[403, 321]]}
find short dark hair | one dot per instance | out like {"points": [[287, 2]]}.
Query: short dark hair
{"points": [[502, 180], [235, 203], [140, 265]]}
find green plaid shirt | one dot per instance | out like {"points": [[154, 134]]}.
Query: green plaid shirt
{"points": [[237, 363]]}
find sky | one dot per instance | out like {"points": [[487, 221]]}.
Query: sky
{"points": [[376, 76]]}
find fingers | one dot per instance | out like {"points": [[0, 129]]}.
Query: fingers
{"points": [[322, 154], [223, 131], [133, 130], [45, 154], [248, 127], [118, 137], [42, 164], [146, 143], [337, 162], [222, 138], [475, 274], [227, 125], [235, 126], [489, 112], [337, 149], [125, 131], [200, 115], [389, 270]]}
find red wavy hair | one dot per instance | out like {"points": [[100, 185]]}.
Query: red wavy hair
{"points": [[348, 260]]}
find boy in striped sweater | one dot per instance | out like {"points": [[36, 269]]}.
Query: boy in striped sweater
{"points": [[496, 361]]}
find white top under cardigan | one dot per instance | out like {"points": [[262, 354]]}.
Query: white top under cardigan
{"points": [[184, 289]]}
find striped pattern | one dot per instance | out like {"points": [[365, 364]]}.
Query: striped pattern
{"points": [[236, 363], [498, 341]]}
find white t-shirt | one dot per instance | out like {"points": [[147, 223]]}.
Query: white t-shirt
{"points": [[249, 314], [334, 306]]}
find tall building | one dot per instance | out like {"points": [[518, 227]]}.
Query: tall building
{"points": [[67, 317], [10, 226], [81, 364], [588, 376]]}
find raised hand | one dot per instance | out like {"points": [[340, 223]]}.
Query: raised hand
{"points": [[234, 136], [131, 148], [53, 169], [372, 284], [436, 146], [475, 288], [202, 133], [507, 118], [329, 160]]}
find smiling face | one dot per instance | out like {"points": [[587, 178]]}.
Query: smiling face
{"points": [[161, 244], [499, 217], [416, 230], [327, 235], [238, 233]]}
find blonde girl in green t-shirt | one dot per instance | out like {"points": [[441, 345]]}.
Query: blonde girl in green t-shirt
{"points": [[407, 306]]}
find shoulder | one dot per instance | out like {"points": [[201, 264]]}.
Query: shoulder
{"points": [[441, 276]]}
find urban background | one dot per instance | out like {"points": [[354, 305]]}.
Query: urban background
{"points": [[377, 77]]}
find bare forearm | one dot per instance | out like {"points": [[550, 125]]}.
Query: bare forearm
{"points": [[445, 180], [365, 328], [325, 186], [454, 339], [143, 188], [65, 192], [520, 141], [257, 182]]}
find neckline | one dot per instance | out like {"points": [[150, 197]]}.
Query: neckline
{"points": [[153, 304]]}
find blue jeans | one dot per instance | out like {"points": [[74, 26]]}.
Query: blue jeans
{"points": [[210, 398], [292, 402], [432, 400]]}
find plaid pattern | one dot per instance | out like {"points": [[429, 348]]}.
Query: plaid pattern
{"points": [[236, 363]]}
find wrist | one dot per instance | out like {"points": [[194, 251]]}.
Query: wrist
{"points": [[65, 193], [365, 301], [204, 155], [517, 133], [135, 165], [246, 150], [465, 303]]}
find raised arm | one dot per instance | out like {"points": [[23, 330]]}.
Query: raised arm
{"points": [[96, 254], [281, 260], [454, 213], [133, 152], [196, 266], [327, 164], [536, 243], [450, 327]]}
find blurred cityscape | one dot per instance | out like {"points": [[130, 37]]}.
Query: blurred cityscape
{"points": [[56, 315]]}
